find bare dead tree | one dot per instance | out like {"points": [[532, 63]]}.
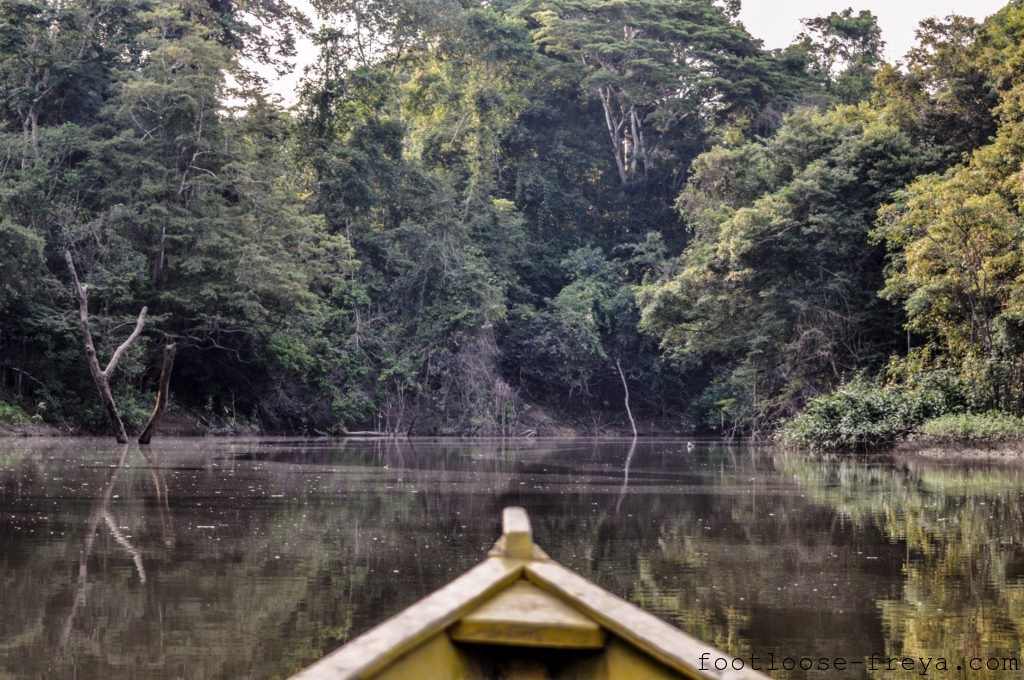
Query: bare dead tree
{"points": [[625, 387], [102, 376]]}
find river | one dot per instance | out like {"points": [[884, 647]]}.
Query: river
{"points": [[250, 558]]}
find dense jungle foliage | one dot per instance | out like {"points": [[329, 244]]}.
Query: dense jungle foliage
{"points": [[483, 212]]}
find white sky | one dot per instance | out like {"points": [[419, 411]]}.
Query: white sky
{"points": [[777, 22]]}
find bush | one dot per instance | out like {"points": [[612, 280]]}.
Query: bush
{"points": [[12, 414], [864, 415], [990, 426]]}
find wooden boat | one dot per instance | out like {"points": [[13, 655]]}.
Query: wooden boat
{"points": [[519, 614]]}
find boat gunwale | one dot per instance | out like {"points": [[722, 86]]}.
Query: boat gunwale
{"points": [[385, 642], [655, 637]]}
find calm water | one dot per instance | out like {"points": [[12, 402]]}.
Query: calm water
{"points": [[249, 559]]}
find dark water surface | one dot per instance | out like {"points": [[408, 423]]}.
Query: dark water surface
{"points": [[206, 558]]}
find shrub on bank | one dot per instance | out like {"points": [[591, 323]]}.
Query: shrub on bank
{"points": [[866, 415], [990, 426], [12, 414]]}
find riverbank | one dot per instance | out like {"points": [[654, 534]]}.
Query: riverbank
{"points": [[535, 421], [32, 429], [175, 423], [963, 449]]}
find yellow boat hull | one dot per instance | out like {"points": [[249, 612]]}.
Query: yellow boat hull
{"points": [[521, 615]]}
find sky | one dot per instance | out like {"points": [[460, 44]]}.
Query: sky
{"points": [[777, 22]]}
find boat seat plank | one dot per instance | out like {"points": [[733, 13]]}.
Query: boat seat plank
{"points": [[525, 615]]}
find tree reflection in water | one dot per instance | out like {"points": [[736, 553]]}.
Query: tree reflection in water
{"points": [[961, 526], [261, 555], [101, 510]]}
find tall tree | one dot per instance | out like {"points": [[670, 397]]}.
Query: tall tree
{"points": [[955, 238], [407, 153], [845, 51], [660, 70], [944, 95]]}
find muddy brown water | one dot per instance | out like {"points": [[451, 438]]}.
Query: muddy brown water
{"points": [[250, 558]]}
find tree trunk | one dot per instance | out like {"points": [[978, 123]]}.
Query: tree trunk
{"points": [[625, 387], [102, 377], [163, 393], [614, 132]]}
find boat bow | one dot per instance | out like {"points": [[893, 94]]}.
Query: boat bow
{"points": [[521, 614]]}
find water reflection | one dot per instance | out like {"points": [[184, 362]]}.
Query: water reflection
{"points": [[962, 595], [101, 510], [231, 559], [625, 475]]}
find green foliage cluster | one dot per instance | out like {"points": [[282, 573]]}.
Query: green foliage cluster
{"points": [[476, 207], [861, 415], [117, 148], [778, 285], [939, 404], [989, 427], [12, 414], [505, 174], [844, 51], [814, 250]]}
